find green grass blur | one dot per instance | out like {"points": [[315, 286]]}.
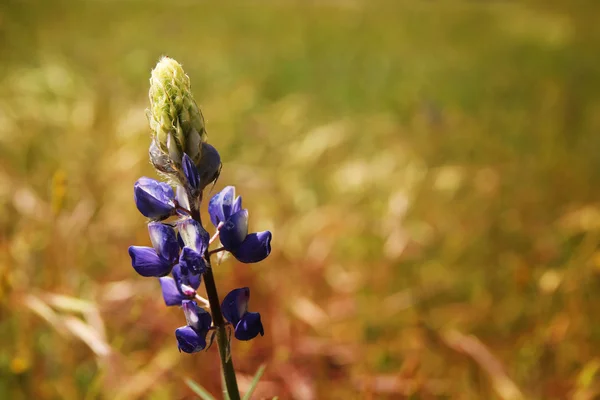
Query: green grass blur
{"points": [[430, 171]]}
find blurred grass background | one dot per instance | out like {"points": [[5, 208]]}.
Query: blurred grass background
{"points": [[429, 170]]}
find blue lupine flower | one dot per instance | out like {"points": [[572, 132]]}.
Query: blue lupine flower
{"points": [[192, 338], [182, 286], [192, 260], [154, 199], [223, 205], [191, 173], [158, 260], [247, 325], [231, 220]]}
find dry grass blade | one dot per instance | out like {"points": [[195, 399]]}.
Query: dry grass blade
{"points": [[149, 377], [475, 349], [88, 335], [36, 305]]}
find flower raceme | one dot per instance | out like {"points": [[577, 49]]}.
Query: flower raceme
{"points": [[180, 256]]}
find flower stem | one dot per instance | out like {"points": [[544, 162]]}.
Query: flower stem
{"points": [[219, 322]]}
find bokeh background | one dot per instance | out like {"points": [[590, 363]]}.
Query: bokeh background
{"points": [[430, 171]]}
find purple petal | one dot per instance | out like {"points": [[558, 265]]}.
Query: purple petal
{"points": [[234, 231], [220, 206], [191, 172], [193, 234], [147, 263], [192, 261], [256, 247], [153, 199], [189, 341], [164, 241], [196, 317], [235, 304], [184, 276], [249, 327], [171, 295]]}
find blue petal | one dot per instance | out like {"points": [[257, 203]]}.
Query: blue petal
{"points": [[191, 172], [249, 327], [180, 241], [237, 205], [220, 206], [235, 304], [147, 263], [234, 231], [192, 260], [256, 247], [189, 341], [184, 276], [193, 234], [227, 201], [196, 317], [164, 241], [171, 294], [209, 165], [153, 199]]}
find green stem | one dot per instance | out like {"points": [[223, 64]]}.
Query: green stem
{"points": [[219, 322]]}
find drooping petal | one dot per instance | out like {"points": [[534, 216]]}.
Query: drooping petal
{"points": [[220, 205], [183, 276], [193, 234], [171, 294], [196, 317], [235, 304], [153, 199], [192, 260], [191, 172], [249, 327], [234, 231], [189, 341], [147, 263], [164, 241], [256, 247]]}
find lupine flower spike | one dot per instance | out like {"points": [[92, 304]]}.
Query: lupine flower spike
{"points": [[180, 244]]}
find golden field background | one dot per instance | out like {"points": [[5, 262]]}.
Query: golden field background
{"points": [[430, 172]]}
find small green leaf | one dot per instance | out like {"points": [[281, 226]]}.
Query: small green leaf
{"points": [[254, 383], [199, 390]]}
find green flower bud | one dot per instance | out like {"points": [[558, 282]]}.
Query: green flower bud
{"points": [[176, 121]]}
